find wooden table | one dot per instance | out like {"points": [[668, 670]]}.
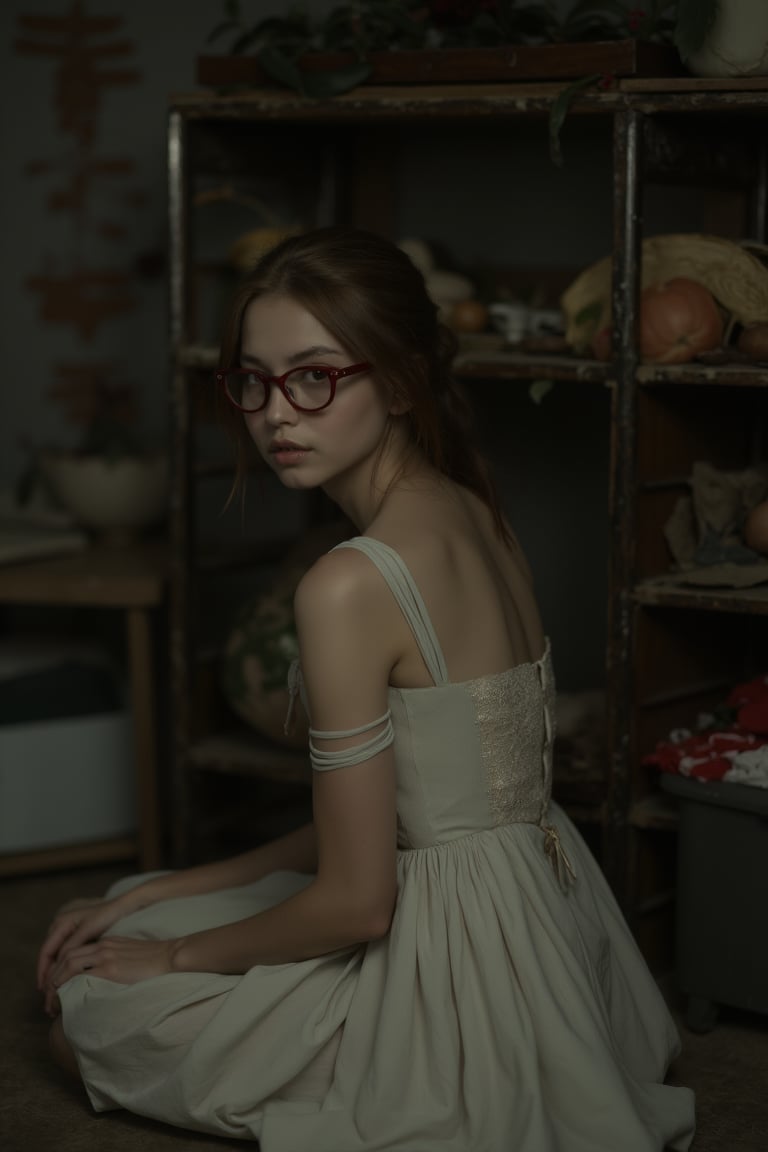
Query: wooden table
{"points": [[133, 580]]}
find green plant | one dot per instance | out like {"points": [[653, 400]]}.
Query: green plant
{"points": [[365, 26], [684, 23], [361, 27]]}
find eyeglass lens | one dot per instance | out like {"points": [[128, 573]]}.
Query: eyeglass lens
{"points": [[307, 387]]}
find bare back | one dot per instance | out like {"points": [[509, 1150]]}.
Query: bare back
{"points": [[477, 589]]}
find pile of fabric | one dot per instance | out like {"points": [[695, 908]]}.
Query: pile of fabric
{"points": [[736, 752]]}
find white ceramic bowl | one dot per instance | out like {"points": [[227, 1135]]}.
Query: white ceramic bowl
{"points": [[104, 494]]}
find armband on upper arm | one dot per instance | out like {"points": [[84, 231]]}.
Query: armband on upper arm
{"points": [[323, 760]]}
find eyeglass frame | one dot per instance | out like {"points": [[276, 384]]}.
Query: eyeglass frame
{"points": [[333, 374]]}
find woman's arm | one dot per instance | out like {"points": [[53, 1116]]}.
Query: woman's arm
{"points": [[85, 921], [347, 624], [294, 852], [350, 901]]}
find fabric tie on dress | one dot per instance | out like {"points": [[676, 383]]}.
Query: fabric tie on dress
{"points": [[557, 856], [294, 682]]}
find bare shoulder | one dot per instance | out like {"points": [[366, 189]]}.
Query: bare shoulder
{"points": [[349, 639], [343, 604], [339, 581]]}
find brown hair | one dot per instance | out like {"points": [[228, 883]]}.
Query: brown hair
{"points": [[371, 297]]}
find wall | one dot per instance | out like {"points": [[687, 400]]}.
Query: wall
{"points": [[551, 458], [55, 124]]}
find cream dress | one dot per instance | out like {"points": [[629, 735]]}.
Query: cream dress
{"points": [[507, 1010]]}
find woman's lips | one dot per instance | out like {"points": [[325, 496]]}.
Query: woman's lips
{"points": [[286, 452]]}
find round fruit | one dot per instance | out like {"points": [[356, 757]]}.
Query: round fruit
{"points": [[679, 318], [469, 316], [753, 341], [756, 528]]}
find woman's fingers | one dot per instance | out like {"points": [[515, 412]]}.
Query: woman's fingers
{"points": [[83, 921], [62, 928], [121, 959], [74, 962]]}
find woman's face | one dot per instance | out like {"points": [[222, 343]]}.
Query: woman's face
{"points": [[334, 447]]}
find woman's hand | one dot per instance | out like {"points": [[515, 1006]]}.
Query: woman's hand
{"points": [[118, 958], [76, 923]]}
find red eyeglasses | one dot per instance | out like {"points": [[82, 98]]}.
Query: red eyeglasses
{"points": [[308, 388]]}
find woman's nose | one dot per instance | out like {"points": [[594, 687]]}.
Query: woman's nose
{"points": [[279, 410]]}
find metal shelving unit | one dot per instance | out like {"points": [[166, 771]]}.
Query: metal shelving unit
{"points": [[661, 129]]}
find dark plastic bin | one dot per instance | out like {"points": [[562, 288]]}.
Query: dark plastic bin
{"points": [[722, 897]]}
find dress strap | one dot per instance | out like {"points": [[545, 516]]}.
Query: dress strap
{"points": [[403, 588]]}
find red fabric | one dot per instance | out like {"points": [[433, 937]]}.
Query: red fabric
{"points": [[709, 755], [704, 755], [751, 702]]}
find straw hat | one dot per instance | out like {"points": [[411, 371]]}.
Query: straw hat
{"points": [[735, 274]]}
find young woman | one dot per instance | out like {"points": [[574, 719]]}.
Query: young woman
{"points": [[436, 962]]}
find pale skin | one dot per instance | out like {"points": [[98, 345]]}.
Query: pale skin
{"points": [[478, 594]]}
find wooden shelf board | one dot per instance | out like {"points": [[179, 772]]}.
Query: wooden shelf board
{"points": [[662, 595], [511, 365], [522, 97], [245, 753], [96, 576], [499, 364], [68, 856], [655, 812], [388, 101], [728, 375], [672, 84], [504, 63]]}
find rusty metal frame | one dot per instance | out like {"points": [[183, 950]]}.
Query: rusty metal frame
{"points": [[631, 106]]}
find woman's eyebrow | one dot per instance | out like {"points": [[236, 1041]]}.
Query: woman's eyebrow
{"points": [[306, 356], [316, 350]]}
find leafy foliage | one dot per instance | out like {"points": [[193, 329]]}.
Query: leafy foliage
{"points": [[361, 27], [560, 108]]}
